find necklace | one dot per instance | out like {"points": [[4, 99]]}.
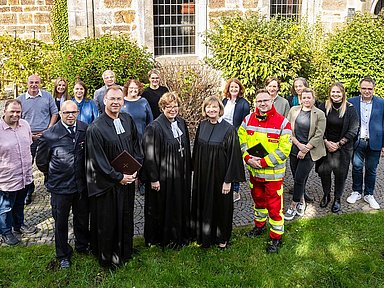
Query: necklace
{"points": [[337, 109]]}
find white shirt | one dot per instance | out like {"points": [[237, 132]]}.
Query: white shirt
{"points": [[229, 109], [365, 115]]}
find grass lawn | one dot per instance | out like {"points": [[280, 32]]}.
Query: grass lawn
{"points": [[333, 251]]}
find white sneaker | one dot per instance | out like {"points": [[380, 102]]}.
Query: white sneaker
{"points": [[371, 201], [290, 214], [236, 196], [354, 197], [300, 209]]}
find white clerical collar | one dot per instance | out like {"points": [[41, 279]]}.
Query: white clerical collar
{"points": [[118, 126], [176, 130], [27, 95]]}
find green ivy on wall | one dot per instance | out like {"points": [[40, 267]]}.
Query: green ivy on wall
{"points": [[60, 32]]}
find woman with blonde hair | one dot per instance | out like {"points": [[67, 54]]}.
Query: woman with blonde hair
{"points": [[342, 125], [308, 125], [60, 92], [217, 162]]}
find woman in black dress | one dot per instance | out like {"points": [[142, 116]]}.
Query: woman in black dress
{"points": [[167, 177], [217, 163]]}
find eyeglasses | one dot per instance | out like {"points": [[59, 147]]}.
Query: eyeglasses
{"points": [[169, 108], [114, 99], [263, 101], [66, 113], [366, 88]]}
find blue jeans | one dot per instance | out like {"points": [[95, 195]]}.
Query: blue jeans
{"points": [[363, 156], [11, 210]]}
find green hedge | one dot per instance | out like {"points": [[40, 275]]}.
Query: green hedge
{"points": [[87, 59]]}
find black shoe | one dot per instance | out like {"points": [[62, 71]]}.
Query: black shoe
{"points": [[10, 239], [28, 199], [336, 206], [256, 231], [24, 229], [325, 200], [308, 198], [64, 263], [274, 245]]}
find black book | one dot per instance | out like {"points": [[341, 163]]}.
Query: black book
{"points": [[125, 163], [258, 151]]}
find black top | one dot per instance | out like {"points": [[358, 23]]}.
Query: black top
{"points": [[153, 97], [103, 145], [350, 126], [302, 125], [334, 123]]}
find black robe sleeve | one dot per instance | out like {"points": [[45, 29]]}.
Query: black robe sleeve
{"points": [[235, 167]]}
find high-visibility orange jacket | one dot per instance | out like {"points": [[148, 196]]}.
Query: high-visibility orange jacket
{"points": [[274, 132]]}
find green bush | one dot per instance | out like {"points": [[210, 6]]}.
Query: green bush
{"points": [[87, 59], [356, 50], [252, 48], [21, 58]]}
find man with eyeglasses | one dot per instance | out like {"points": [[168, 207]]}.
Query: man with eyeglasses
{"points": [[369, 144], [40, 111], [109, 79], [154, 92], [273, 131], [111, 192], [61, 157]]}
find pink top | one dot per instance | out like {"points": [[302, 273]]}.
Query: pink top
{"points": [[15, 156]]}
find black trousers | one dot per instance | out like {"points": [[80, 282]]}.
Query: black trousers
{"points": [[338, 164], [300, 170], [31, 187], [61, 206]]}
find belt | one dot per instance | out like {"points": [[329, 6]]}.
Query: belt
{"points": [[366, 139]]}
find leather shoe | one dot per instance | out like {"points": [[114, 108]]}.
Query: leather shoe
{"points": [[274, 246], [325, 200], [308, 198], [336, 206], [64, 263], [10, 239], [28, 199]]}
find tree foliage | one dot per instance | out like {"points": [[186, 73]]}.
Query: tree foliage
{"points": [[87, 59], [357, 50], [252, 48], [60, 28], [21, 58]]}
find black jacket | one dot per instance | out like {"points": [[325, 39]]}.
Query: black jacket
{"points": [[242, 109], [61, 158]]}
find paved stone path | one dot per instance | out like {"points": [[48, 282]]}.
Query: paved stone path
{"points": [[39, 212]]}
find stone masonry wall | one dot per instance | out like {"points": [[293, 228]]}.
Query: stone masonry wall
{"points": [[26, 18]]}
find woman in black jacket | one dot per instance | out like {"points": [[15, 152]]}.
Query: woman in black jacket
{"points": [[236, 107], [342, 126]]}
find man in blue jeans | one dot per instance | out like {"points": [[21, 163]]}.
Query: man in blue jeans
{"points": [[369, 144], [15, 172]]}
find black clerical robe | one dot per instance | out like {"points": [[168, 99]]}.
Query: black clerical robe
{"points": [[216, 159], [111, 203], [167, 159]]}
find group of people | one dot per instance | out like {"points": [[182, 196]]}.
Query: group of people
{"points": [[76, 155]]}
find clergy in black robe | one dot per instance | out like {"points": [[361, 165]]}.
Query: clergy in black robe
{"points": [[111, 192], [217, 162], [167, 176]]}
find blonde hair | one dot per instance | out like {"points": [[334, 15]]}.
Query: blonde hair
{"points": [[208, 101], [168, 98], [329, 103]]}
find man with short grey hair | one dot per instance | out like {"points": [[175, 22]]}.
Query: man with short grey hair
{"points": [[109, 79], [40, 111]]}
